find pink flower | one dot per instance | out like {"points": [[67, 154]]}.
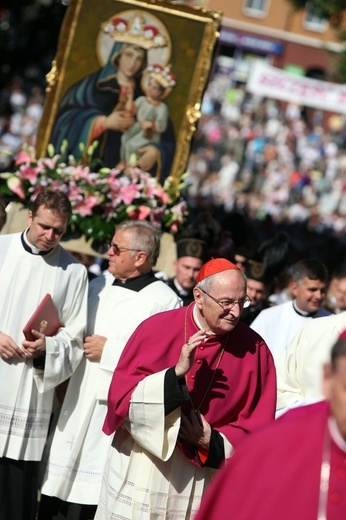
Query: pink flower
{"points": [[138, 213], [179, 209], [161, 194], [36, 191], [128, 193], [56, 185], [23, 157], [113, 187], [16, 186], [113, 174], [28, 172], [75, 193], [45, 163], [85, 206], [81, 173]]}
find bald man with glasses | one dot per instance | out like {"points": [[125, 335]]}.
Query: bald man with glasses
{"points": [[190, 385], [118, 303]]}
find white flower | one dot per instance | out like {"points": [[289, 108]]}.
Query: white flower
{"points": [[159, 40], [122, 27], [148, 34]]}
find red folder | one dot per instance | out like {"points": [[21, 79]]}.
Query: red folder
{"points": [[45, 319]]}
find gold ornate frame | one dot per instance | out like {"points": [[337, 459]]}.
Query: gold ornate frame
{"points": [[193, 33]]}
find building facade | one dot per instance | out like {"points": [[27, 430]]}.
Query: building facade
{"points": [[270, 30]]}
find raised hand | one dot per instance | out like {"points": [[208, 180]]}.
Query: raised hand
{"points": [[187, 353]]}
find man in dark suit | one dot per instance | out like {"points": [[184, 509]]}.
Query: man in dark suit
{"points": [[191, 253]]}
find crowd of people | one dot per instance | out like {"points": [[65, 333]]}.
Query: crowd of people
{"points": [[278, 165], [21, 107], [259, 166], [137, 401], [281, 159], [132, 408], [65, 390]]}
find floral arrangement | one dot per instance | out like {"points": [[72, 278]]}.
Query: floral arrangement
{"points": [[100, 197]]}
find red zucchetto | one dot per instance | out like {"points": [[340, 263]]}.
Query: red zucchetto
{"points": [[214, 266]]}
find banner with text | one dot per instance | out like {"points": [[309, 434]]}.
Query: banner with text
{"points": [[268, 81]]}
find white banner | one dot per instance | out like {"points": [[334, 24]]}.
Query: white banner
{"points": [[268, 81]]}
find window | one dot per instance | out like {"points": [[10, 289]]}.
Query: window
{"points": [[255, 7], [312, 20]]}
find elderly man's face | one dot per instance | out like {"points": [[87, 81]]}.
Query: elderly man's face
{"points": [[227, 287], [335, 391], [122, 261]]}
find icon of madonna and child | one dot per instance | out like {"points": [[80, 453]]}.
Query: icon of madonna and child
{"points": [[120, 106]]}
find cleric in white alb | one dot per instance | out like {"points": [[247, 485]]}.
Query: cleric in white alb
{"points": [[33, 264]]}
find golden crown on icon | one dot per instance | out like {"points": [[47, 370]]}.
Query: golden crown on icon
{"points": [[162, 75], [135, 31]]}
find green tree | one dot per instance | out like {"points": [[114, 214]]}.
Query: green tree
{"points": [[330, 9], [334, 11]]}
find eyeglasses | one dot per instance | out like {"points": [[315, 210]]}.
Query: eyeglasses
{"points": [[117, 250], [227, 305]]}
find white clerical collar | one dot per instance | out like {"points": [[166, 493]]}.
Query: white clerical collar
{"points": [[302, 313], [34, 250], [182, 291], [31, 248], [208, 334], [335, 434]]}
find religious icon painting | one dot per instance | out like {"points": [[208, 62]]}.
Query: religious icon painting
{"points": [[128, 77]]}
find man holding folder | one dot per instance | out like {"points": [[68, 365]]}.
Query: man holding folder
{"points": [[33, 264]]}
